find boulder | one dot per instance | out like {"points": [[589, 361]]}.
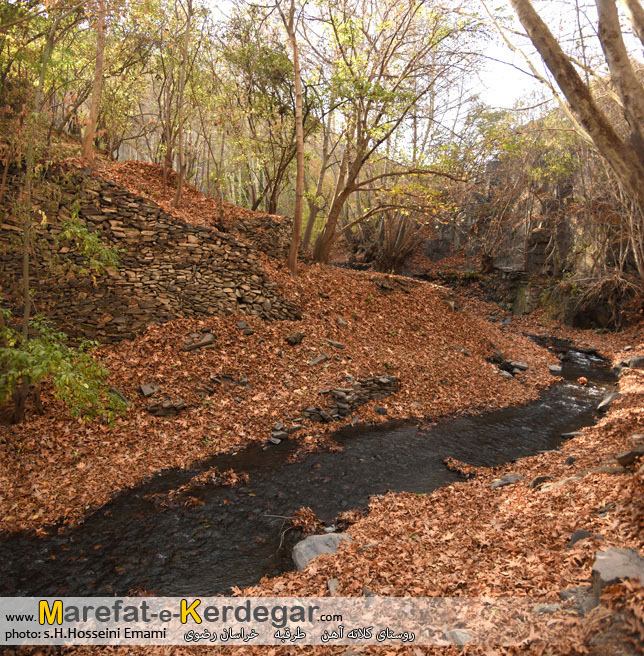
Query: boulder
{"points": [[636, 363], [614, 565], [311, 547], [629, 457]]}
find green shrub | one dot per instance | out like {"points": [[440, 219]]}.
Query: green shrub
{"points": [[77, 378]]}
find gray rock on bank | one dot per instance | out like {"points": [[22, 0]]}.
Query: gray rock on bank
{"points": [[311, 547], [614, 565]]}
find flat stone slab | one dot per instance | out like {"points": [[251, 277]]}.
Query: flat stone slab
{"points": [[148, 390], [311, 547], [508, 479], [608, 400], [614, 565], [206, 340], [323, 357]]}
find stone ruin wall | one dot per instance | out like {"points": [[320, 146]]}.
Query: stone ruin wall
{"points": [[167, 268]]}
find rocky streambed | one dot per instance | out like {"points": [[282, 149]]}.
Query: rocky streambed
{"points": [[165, 538]]}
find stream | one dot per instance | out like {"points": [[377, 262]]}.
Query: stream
{"points": [[235, 535]]}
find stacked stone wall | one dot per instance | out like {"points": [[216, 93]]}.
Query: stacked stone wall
{"points": [[167, 269]]}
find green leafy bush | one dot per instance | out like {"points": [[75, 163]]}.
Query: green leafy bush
{"points": [[77, 378]]}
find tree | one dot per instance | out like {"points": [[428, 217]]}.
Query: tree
{"points": [[188, 9], [385, 59], [625, 156], [289, 24], [97, 87]]}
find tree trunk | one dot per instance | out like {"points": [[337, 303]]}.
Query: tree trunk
{"points": [[623, 159], [621, 71], [636, 15], [180, 118], [299, 145], [97, 89]]}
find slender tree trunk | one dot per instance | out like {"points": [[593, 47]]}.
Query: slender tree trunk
{"points": [[180, 113], [97, 89], [299, 145], [20, 394]]}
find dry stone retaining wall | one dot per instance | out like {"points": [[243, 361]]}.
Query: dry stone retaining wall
{"points": [[269, 234], [167, 268]]}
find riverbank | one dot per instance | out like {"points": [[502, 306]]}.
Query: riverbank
{"points": [[471, 539], [250, 377]]}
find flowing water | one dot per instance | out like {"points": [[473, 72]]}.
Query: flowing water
{"points": [[234, 536]]}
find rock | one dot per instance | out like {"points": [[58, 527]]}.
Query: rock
{"points": [[508, 479], [608, 400], [629, 457], [578, 535], [614, 565], [335, 344], [380, 410], [517, 364], [274, 440], [332, 586], [570, 460], [279, 435], [166, 408], [638, 438], [355, 420], [572, 434], [148, 390], [323, 357], [330, 529], [278, 426], [341, 322], [581, 598], [458, 637], [628, 348], [204, 340], [311, 547], [636, 363], [546, 609], [506, 374], [242, 325], [537, 481], [295, 338], [555, 370], [608, 469], [248, 331]]}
